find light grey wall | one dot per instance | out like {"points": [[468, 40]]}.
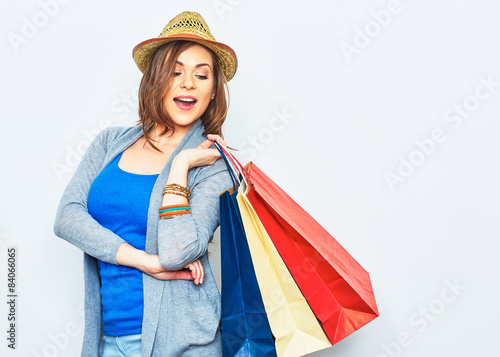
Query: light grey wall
{"points": [[389, 109]]}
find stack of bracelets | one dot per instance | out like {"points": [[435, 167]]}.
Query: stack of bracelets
{"points": [[171, 211]]}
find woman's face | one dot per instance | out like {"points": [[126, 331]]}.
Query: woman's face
{"points": [[191, 89]]}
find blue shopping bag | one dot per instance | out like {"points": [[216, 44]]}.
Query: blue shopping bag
{"points": [[245, 328]]}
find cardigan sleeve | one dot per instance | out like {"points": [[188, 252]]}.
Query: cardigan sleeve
{"points": [[73, 221], [183, 239]]}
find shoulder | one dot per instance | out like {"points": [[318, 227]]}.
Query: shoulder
{"points": [[111, 133]]}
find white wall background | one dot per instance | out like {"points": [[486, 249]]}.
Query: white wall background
{"points": [[409, 101]]}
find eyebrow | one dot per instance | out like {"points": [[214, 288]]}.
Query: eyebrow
{"points": [[197, 66]]}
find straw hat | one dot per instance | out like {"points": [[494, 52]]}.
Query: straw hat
{"points": [[188, 26]]}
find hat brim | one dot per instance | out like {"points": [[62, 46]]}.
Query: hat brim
{"points": [[143, 52]]}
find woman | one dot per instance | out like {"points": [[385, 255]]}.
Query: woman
{"points": [[144, 202]]}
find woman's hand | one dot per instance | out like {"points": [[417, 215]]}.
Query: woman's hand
{"points": [[201, 155], [197, 271], [187, 159], [153, 268]]}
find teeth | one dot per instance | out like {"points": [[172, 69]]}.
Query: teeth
{"points": [[186, 100]]}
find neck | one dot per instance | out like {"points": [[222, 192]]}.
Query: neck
{"points": [[169, 138]]}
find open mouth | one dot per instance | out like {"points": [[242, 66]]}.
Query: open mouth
{"points": [[185, 102]]}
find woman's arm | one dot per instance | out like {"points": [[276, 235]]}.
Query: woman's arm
{"points": [[150, 264], [73, 222], [185, 238]]}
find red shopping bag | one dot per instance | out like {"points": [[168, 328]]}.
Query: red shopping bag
{"points": [[334, 284]]}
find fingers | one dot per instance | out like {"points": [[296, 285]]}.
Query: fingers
{"points": [[156, 270], [205, 145], [202, 272], [217, 138], [197, 271], [210, 139]]}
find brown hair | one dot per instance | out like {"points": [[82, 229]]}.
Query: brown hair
{"points": [[158, 76]]}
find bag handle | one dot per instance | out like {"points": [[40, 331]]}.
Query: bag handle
{"points": [[228, 157], [230, 168], [239, 167]]}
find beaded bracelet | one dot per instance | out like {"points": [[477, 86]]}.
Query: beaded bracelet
{"points": [[176, 189], [178, 193], [177, 186]]}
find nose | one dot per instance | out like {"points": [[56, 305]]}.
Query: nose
{"points": [[187, 82]]}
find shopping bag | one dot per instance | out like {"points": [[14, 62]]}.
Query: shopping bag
{"points": [[245, 328], [293, 324], [337, 288], [334, 284]]}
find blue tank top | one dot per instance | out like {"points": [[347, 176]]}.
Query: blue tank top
{"points": [[119, 201]]}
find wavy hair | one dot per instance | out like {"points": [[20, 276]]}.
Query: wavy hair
{"points": [[155, 82]]}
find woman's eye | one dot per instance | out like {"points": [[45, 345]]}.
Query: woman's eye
{"points": [[177, 74], [202, 77]]}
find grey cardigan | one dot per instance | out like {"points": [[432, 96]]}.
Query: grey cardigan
{"points": [[180, 318]]}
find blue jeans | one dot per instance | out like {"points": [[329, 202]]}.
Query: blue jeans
{"points": [[122, 346]]}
